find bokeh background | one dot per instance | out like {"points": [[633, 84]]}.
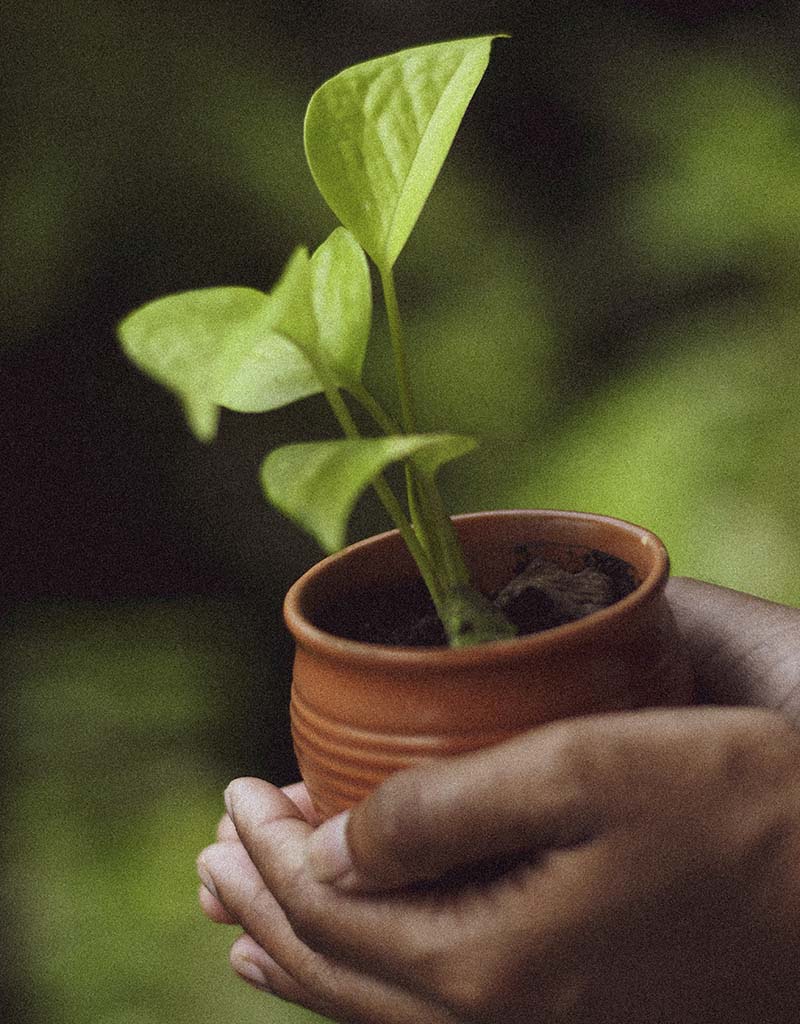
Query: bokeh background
{"points": [[604, 286]]}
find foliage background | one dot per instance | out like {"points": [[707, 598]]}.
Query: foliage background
{"points": [[604, 286]]}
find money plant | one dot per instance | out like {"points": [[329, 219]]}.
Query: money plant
{"points": [[376, 136]]}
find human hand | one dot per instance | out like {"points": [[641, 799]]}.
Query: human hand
{"points": [[744, 650], [638, 868], [649, 876]]}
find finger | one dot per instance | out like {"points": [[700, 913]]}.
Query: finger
{"points": [[554, 788], [276, 960], [432, 946], [264, 815], [417, 942], [298, 794], [450, 946], [226, 830], [342, 995], [525, 796], [744, 649], [275, 840], [213, 901], [257, 968], [213, 909]]}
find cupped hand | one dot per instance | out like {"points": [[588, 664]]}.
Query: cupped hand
{"points": [[642, 867], [633, 868]]}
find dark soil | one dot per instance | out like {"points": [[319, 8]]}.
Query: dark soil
{"points": [[540, 596]]}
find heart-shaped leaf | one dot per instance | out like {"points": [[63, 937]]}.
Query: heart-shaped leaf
{"points": [[248, 351], [190, 341], [234, 347], [318, 483], [377, 134]]}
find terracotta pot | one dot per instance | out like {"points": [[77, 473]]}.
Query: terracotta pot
{"points": [[362, 711]]}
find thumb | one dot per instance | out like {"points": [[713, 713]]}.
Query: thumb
{"points": [[519, 798]]}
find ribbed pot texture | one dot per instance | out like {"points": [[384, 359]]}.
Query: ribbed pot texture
{"points": [[363, 711]]}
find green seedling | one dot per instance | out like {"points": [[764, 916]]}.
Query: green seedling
{"points": [[376, 136]]}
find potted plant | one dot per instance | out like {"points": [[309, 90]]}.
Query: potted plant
{"points": [[373, 692]]}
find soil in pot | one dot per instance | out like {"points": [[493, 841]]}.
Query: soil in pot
{"points": [[542, 594]]}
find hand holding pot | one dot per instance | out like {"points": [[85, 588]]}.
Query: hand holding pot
{"points": [[635, 868], [650, 873]]}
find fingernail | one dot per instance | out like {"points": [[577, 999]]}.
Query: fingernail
{"points": [[226, 796], [205, 877], [328, 854], [250, 971]]}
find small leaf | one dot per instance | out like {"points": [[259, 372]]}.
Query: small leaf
{"points": [[317, 484], [341, 292], [235, 347], [184, 340], [377, 134]]}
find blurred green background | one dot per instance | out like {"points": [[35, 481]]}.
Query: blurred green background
{"points": [[603, 286]]}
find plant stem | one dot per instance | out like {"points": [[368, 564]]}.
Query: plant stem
{"points": [[443, 534], [373, 408], [407, 417], [386, 496], [467, 616], [427, 510]]}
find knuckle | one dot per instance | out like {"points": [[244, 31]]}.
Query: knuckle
{"points": [[581, 758], [464, 983], [754, 803]]}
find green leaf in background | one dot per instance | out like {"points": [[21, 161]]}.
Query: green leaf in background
{"points": [[341, 293], [377, 134], [318, 483]]}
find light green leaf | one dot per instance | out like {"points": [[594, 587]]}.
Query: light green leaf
{"points": [[185, 341], [341, 293], [317, 484], [234, 347], [377, 134], [272, 368]]}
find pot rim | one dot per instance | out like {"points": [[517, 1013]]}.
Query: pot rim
{"points": [[386, 657]]}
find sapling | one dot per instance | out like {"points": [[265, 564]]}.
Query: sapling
{"points": [[376, 136]]}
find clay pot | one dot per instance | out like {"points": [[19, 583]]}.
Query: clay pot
{"points": [[363, 711]]}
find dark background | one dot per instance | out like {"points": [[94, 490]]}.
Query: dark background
{"points": [[603, 286]]}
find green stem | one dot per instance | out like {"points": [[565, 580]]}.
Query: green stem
{"points": [[389, 427], [386, 496], [420, 514], [432, 523], [407, 417], [467, 616], [448, 546], [373, 408]]}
